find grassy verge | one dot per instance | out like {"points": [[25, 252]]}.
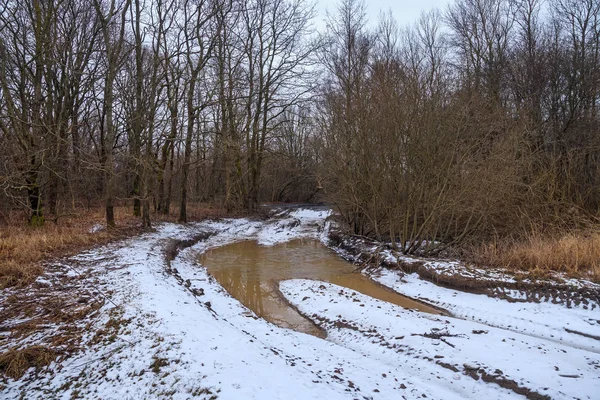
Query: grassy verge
{"points": [[23, 248], [575, 254]]}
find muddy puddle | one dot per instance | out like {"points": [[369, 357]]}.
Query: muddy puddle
{"points": [[250, 272]]}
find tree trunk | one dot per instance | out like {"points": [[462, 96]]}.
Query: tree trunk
{"points": [[137, 204], [33, 193], [169, 181], [185, 168], [109, 157]]}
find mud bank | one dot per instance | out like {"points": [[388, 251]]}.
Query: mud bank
{"points": [[512, 286]]}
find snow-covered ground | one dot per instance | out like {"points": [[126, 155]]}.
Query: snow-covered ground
{"points": [[417, 344], [168, 330], [544, 320]]}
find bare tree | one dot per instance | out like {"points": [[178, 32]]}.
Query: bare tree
{"points": [[200, 40], [169, 47], [112, 19], [481, 30]]}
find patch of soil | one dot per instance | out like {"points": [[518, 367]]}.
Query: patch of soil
{"points": [[510, 385], [173, 247], [171, 250], [52, 313]]}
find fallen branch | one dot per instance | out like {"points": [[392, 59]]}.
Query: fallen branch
{"points": [[439, 335]]}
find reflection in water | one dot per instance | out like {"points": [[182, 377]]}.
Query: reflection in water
{"points": [[250, 273]]}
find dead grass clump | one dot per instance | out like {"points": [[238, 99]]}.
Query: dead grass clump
{"points": [[158, 363], [15, 362], [13, 272], [576, 254]]}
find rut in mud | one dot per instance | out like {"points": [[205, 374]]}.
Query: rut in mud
{"points": [[251, 272]]}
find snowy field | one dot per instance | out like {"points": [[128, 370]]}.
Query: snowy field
{"points": [[175, 333]]}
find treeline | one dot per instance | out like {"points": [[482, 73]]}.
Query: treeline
{"points": [[477, 122], [153, 101]]}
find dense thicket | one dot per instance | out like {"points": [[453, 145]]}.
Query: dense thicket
{"points": [[478, 121]]}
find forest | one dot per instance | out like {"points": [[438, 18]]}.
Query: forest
{"points": [[248, 199], [475, 130]]}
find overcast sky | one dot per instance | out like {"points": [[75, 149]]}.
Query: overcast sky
{"points": [[405, 11]]}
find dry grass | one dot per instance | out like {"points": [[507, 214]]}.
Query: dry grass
{"points": [[23, 248], [15, 362], [576, 254]]}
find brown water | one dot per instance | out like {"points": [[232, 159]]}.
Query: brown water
{"points": [[250, 273]]}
